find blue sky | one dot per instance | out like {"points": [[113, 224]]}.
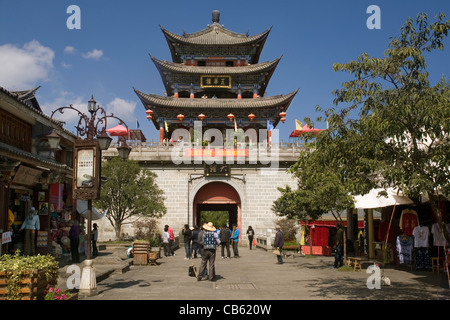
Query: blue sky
{"points": [[109, 55]]}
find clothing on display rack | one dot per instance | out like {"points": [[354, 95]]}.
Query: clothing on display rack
{"points": [[422, 259], [405, 246], [438, 237], [421, 235], [408, 221]]}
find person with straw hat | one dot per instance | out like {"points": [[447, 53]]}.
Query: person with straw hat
{"points": [[210, 240]]}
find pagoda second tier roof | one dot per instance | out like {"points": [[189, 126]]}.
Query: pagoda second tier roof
{"points": [[169, 70], [152, 101], [267, 66]]}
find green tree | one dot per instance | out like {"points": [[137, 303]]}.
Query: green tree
{"points": [[402, 119], [128, 192], [218, 218]]}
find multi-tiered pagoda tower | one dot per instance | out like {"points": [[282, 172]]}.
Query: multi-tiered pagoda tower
{"points": [[215, 76]]}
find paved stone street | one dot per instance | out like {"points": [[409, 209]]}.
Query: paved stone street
{"points": [[257, 276]]}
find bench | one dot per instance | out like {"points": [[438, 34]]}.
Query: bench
{"points": [[355, 262]]}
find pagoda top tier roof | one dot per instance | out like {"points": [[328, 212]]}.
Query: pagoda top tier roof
{"points": [[215, 35]]}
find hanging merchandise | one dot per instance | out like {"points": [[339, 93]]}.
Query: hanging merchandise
{"points": [[421, 235], [423, 259], [408, 221], [405, 246], [421, 243], [438, 237]]}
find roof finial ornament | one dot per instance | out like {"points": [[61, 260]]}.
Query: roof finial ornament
{"points": [[216, 16]]}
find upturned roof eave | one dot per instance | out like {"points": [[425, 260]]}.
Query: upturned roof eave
{"points": [[240, 40], [171, 102]]}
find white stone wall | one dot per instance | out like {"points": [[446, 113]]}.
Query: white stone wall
{"points": [[257, 196]]}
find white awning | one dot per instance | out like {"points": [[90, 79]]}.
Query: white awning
{"points": [[374, 200], [82, 208]]}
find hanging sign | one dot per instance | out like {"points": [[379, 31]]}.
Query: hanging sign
{"points": [[212, 81], [87, 158]]}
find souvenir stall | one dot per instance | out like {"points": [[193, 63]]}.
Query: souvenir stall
{"points": [[418, 237], [321, 236]]}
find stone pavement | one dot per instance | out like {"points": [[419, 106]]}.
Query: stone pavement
{"points": [[255, 276]]}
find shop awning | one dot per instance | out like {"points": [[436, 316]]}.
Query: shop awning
{"points": [[82, 208], [374, 200]]}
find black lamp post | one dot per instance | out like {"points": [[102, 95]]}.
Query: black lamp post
{"points": [[93, 128]]}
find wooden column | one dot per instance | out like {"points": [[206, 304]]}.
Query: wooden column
{"points": [[371, 234], [161, 134]]}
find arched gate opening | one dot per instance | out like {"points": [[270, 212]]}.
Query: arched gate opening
{"points": [[217, 197]]}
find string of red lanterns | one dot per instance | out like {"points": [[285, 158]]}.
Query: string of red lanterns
{"points": [[230, 116]]}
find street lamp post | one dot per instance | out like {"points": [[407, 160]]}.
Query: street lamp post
{"points": [[87, 167]]}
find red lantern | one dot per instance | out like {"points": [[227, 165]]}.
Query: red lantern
{"points": [[251, 116], [149, 117], [282, 114], [230, 116], [149, 112], [201, 116], [283, 120], [180, 117]]}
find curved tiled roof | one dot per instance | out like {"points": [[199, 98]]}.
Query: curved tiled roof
{"points": [[181, 68], [20, 98], [19, 154], [216, 35], [171, 102]]}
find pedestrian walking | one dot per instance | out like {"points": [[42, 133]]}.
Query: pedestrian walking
{"points": [[74, 235], [195, 246], [210, 240], [279, 243], [339, 246], [235, 239], [165, 240], [250, 234], [94, 237], [225, 236], [187, 237], [171, 240]]}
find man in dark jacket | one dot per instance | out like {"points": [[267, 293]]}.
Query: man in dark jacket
{"points": [[279, 243], [195, 245], [339, 246], [187, 237], [225, 236]]}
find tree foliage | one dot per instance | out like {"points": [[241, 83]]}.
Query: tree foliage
{"points": [[404, 121], [129, 192], [391, 128]]}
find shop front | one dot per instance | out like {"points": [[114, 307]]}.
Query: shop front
{"points": [[321, 236]]}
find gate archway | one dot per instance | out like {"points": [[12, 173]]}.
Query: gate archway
{"points": [[217, 196]]}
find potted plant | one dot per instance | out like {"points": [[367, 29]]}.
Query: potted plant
{"points": [[26, 277], [155, 244]]}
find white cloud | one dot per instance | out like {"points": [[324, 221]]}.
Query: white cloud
{"points": [[122, 109], [65, 65], [94, 54], [69, 49], [66, 99], [22, 68]]}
